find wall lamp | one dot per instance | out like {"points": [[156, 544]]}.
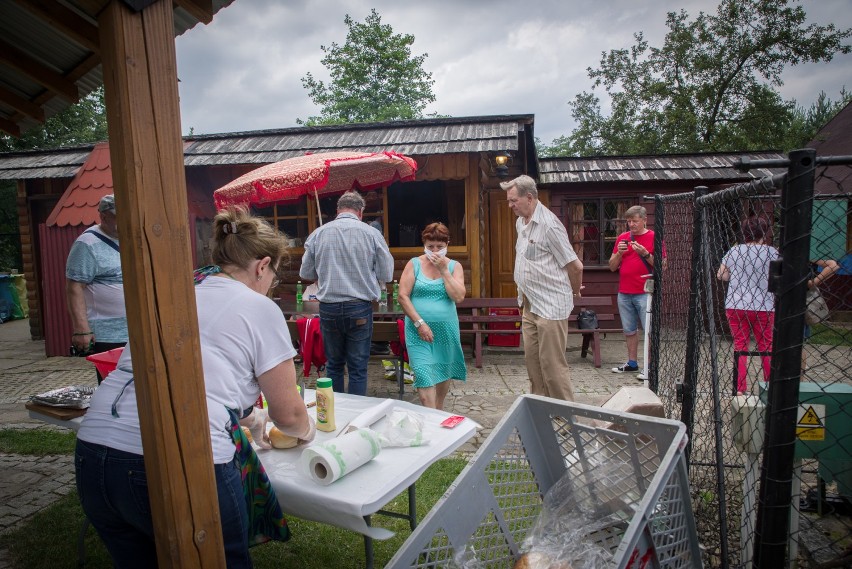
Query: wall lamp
{"points": [[501, 162]]}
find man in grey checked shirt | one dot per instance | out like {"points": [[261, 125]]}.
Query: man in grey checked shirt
{"points": [[549, 277], [349, 259]]}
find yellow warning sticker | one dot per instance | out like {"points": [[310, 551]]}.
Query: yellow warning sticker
{"points": [[810, 418], [810, 424]]}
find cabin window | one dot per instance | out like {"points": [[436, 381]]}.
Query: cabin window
{"points": [[414, 205], [594, 224], [291, 219], [401, 212]]}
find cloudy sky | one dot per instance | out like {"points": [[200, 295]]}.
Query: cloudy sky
{"points": [[243, 71]]}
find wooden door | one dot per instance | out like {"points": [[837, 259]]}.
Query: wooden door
{"points": [[501, 239]]}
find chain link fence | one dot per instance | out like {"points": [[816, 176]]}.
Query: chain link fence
{"points": [[765, 394]]}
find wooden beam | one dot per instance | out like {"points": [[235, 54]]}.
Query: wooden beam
{"points": [[146, 153], [41, 74], [21, 105], [65, 21], [10, 127], [84, 67], [201, 10]]}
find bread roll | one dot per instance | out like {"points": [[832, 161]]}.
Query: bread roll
{"points": [[280, 440], [534, 560], [248, 434]]}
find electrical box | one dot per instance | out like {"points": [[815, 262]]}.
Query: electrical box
{"points": [[824, 430]]}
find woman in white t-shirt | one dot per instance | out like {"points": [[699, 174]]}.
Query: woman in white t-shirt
{"points": [[749, 306], [245, 348]]}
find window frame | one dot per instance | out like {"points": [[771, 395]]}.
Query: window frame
{"points": [[604, 243], [312, 216]]}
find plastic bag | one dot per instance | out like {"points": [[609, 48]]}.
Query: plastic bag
{"points": [[403, 429], [573, 524], [389, 367]]}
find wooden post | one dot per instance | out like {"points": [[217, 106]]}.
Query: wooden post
{"points": [[474, 225], [146, 152]]}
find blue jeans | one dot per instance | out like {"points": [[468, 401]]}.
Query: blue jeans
{"points": [[347, 328], [113, 489], [632, 308]]}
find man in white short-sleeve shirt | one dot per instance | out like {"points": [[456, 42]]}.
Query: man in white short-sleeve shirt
{"points": [[549, 276]]}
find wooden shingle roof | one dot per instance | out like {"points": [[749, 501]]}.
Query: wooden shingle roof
{"points": [[711, 166], [36, 164], [422, 137], [411, 137]]}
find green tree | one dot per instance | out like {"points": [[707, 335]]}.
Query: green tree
{"points": [[374, 77], [806, 122], [710, 87], [77, 124]]}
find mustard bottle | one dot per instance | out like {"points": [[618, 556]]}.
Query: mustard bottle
{"points": [[325, 405]]}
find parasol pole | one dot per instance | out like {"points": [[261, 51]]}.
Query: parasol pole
{"points": [[319, 211]]}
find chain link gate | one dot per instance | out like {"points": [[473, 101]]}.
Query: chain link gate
{"points": [[716, 342]]}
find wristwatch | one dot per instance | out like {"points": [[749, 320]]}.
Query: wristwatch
{"points": [[419, 323]]}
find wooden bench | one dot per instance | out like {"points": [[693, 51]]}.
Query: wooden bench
{"points": [[474, 318], [383, 331]]}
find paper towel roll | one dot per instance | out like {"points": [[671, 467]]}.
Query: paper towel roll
{"points": [[370, 416], [327, 462]]}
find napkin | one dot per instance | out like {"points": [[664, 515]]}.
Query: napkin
{"points": [[368, 417]]}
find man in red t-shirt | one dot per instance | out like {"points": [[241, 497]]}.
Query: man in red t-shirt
{"points": [[633, 257]]}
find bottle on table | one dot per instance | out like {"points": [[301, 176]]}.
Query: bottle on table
{"points": [[299, 292], [325, 405], [383, 295], [395, 293]]}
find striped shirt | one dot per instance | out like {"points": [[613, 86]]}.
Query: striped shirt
{"points": [[542, 252], [348, 258]]}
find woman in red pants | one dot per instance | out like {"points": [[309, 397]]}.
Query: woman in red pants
{"points": [[749, 305]]}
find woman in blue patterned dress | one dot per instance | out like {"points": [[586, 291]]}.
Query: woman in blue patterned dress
{"points": [[429, 289]]}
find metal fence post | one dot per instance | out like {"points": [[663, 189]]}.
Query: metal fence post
{"points": [[657, 298], [690, 373], [789, 277]]}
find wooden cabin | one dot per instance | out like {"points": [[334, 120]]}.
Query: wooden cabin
{"points": [[457, 183], [591, 194]]}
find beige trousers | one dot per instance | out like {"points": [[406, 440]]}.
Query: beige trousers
{"points": [[545, 342]]}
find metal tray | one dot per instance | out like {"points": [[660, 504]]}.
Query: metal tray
{"points": [[73, 396]]}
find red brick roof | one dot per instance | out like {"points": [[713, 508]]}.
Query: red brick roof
{"points": [[79, 204]]}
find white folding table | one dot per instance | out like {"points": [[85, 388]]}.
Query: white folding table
{"points": [[349, 502]]}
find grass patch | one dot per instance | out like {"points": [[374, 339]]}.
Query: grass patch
{"points": [[830, 335], [38, 442], [49, 539]]}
